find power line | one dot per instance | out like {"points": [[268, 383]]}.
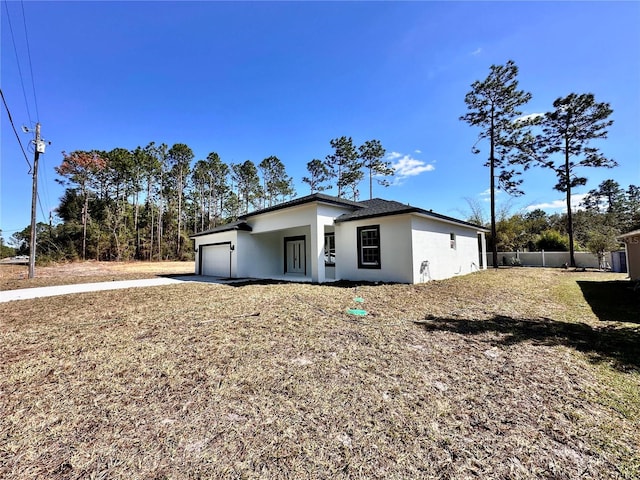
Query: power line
{"points": [[14, 130], [15, 49], [45, 183], [33, 83], [41, 209]]}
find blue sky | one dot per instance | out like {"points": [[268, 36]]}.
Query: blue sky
{"points": [[253, 79]]}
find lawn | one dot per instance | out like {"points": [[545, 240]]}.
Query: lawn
{"points": [[498, 374]]}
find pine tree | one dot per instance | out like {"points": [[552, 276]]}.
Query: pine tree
{"points": [[564, 144], [494, 107]]}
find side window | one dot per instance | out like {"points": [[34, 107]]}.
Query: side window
{"points": [[329, 249], [369, 246], [452, 240]]}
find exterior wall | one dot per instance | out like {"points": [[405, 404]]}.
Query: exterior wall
{"points": [[619, 261], [433, 257], [301, 215], [230, 236], [259, 256], [262, 255], [395, 250], [632, 246], [309, 220]]}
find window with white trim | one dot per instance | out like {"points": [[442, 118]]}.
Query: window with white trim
{"points": [[452, 240], [330, 249], [369, 246]]}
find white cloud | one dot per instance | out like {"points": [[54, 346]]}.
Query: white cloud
{"points": [[417, 151], [531, 116], [486, 194], [406, 166], [560, 204], [477, 51]]}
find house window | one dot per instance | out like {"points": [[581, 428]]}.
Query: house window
{"points": [[452, 240], [329, 249], [369, 247]]}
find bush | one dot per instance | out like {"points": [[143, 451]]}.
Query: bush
{"points": [[552, 241]]}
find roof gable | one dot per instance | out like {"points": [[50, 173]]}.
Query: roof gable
{"points": [[314, 197]]}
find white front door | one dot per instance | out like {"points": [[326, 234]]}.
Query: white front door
{"points": [[296, 258]]}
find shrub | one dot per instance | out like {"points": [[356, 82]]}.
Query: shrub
{"points": [[552, 241]]}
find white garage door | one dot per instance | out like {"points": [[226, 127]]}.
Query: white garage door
{"points": [[215, 261]]}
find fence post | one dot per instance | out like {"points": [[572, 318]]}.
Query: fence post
{"points": [[543, 258]]}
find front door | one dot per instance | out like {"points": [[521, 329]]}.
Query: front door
{"points": [[295, 258]]}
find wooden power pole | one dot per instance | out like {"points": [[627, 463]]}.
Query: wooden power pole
{"points": [[39, 145]]}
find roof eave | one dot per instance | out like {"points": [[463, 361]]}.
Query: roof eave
{"points": [[223, 228], [420, 212]]}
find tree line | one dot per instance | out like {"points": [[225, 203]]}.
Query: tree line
{"points": [[144, 203]]}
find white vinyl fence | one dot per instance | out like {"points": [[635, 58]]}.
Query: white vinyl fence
{"points": [[548, 259]]}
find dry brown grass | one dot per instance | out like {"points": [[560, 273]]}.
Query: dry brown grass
{"points": [[483, 376], [13, 277]]}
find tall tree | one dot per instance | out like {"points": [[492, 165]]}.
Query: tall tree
{"points": [[276, 182], [248, 183], [633, 208], [200, 181], [345, 165], [180, 156], [494, 106], [372, 155], [123, 183], [154, 173], [81, 168], [319, 173], [564, 144], [218, 187]]}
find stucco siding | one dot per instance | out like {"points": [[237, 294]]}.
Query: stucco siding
{"points": [[632, 245], [230, 236], [433, 255], [395, 250], [293, 217]]}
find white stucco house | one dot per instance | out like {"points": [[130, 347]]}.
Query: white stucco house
{"points": [[320, 238], [632, 247]]}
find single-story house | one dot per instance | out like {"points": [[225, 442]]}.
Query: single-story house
{"points": [[321, 238], [632, 247]]}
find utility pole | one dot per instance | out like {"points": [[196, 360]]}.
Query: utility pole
{"points": [[39, 148]]}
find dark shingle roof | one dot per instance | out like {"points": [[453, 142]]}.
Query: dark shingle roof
{"points": [[239, 225], [378, 207], [373, 208]]}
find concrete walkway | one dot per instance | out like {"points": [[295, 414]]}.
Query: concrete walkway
{"points": [[39, 292]]}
